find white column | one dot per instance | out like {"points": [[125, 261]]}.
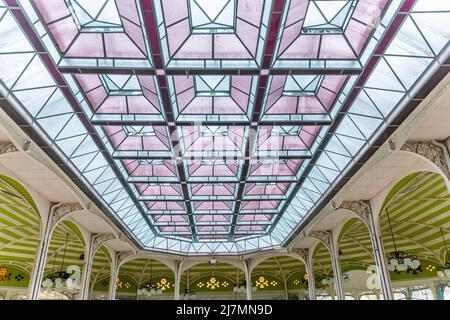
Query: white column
{"points": [[113, 278], [37, 272], [248, 279], [311, 278], [380, 260], [86, 275], [178, 265], [336, 271]]}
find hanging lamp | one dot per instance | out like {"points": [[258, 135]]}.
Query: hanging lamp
{"points": [[444, 271]]}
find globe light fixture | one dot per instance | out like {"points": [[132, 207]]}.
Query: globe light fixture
{"points": [[400, 261], [444, 271]]}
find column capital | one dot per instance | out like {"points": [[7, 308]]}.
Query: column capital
{"points": [[58, 210], [430, 151], [100, 239], [122, 255], [303, 253], [325, 235], [7, 147], [361, 208]]}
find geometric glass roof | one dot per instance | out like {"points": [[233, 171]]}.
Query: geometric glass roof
{"points": [[214, 127]]}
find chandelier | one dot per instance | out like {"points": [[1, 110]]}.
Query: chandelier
{"points": [[400, 261], [242, 287], [444, 271], [153, 289], [63, 280]]}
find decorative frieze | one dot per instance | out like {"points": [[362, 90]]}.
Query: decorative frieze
{"points": [[59, 210], [7, 147], [361, 208], [325, 236], [101, 238], [429, 151], [122, 255]]}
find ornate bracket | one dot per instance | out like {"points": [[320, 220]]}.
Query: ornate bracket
{"points": [[429, 151], [303, 253], [59, 210], [121, 255], [7, 147], [361, 208], [325, 236], [101, 238]]}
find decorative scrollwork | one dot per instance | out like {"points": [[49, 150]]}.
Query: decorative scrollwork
{"points": [[429, 151], [60, 210], [325, 236], [7, 147], [361, 208], [101, 238], [122, 255]]}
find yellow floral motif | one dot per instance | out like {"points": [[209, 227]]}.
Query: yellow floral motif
{"points": [[212, 283], [200, 284], [430, 268], [274, 283], [296, 282], [261, 282], [163, 284], [225, 284], [3, 271], [121, 284]]}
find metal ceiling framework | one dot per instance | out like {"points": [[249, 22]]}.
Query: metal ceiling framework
{"points": [[215, 128]]}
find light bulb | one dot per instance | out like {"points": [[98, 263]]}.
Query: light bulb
{"points": [[415, 264], [391, 267], [440, 274], [401, 267], [394, 262], [407, 261], [447, 272]]}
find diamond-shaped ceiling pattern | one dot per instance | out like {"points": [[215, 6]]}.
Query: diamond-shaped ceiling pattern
{"points": [[214, 126]]}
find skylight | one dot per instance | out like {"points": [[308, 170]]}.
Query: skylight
{"points": [[212, 86], [302, 85], [285, 130], [208, 162], [217, 16], [121, 85], [140, 131], [153, 162], [95, 16], [327, 16], [234, 120], [213, 131]]}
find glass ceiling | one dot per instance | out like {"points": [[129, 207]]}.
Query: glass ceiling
{"points": [[206, 126]]}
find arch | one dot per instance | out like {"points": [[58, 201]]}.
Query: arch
{"points": [[320, 260], [144, 269], [426, 164], [191, 263], [101, 271], [20, 225], [168, 263], [354, 235], [67, 248], [200, 276], [412, 214], [277, 273]]}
